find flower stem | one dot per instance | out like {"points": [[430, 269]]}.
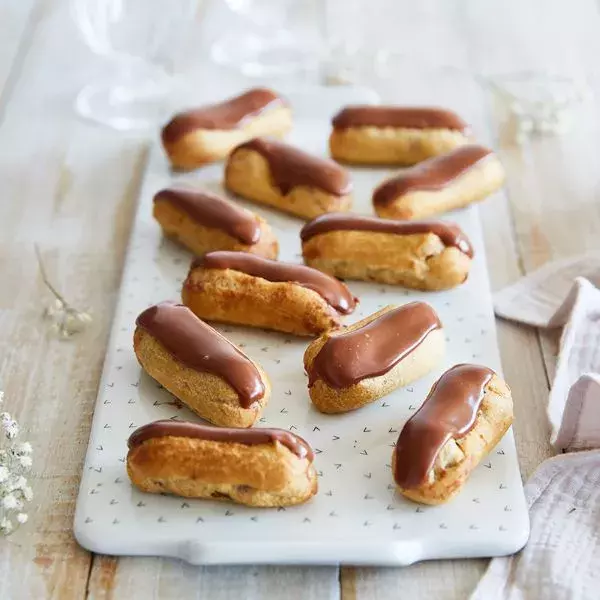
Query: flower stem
{"points": [[45, 279]]}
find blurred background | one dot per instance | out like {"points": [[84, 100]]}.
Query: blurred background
{"points": [[154, 57]]}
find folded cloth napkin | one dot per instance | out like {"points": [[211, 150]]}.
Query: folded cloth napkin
{"points": [[535, 298], [555, 296], [561, 561], [562, 558]]}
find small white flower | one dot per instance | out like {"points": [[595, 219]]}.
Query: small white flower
{"points": [[25, 461], [10, 426], [10, 502], [15, 460], [56, 308], [12, 430], [20, 483], [9, 485], [76, 320], [6, 526], [27, 493], [65, 320], [24, 448], [1, 396]]}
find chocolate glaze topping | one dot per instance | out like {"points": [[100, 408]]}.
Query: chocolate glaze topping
{"points": [[334, 292], [408, 117], [450, 410], [291, 167], [449, 233], [200, 347], [432, 174], [249, 437], [211, 211], [229, 114], [375, 348]]}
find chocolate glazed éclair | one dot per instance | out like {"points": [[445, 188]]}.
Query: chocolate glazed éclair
{"points": [[375, 348], [432, 174], [449, 233], [450, 410], [211, 211], [202, 348], [334, 292], [226, 115], [248, 437], [407, 117], [291, 167]]}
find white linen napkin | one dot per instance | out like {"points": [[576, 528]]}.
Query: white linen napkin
{"points": [[534, 299], [561, 561], [562, 558]]}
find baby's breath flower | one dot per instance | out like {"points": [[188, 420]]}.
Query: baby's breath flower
{"points": [[65, 319], [539, 103], [25, 461], [9, 486], [12, 430], [24, 448], [6, 526], [10, 426], [20, 483], [15, 461], [27, 493], [9, 502]]}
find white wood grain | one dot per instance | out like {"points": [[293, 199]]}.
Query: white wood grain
{"points": [[77, 205], [174, 580]]}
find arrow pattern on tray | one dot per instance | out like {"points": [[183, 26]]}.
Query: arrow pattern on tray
{"points": [[123, 413]]}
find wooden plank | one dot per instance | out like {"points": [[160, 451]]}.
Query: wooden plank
{"points": [[52, 392], [77, 204], [168, 579], [425, 581]]}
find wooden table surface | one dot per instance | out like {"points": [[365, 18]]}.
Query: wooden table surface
{"points": [[72, 187]]}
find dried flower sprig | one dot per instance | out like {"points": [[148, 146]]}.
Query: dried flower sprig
{"points": [[539, 103], [15, 462], [65, 319]]}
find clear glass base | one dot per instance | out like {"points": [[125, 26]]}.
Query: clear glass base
{"points": [[258, 56], [124, 105]]}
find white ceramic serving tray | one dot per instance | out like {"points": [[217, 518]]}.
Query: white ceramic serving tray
{"points": [[357, 517]]}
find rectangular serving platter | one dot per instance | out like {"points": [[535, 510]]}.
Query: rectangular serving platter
{"points": [[357, 517]]}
